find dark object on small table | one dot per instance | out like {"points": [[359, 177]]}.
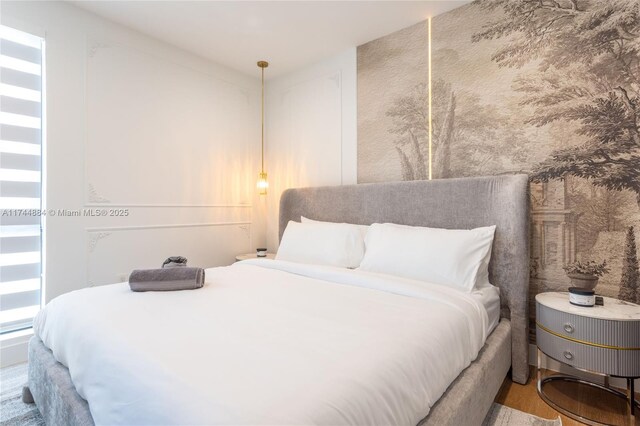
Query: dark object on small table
{"points": [[581, 296]]}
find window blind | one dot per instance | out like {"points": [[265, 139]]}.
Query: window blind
{"points": [[21, 77]]}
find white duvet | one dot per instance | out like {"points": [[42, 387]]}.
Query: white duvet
{"points": [[265, 342]]}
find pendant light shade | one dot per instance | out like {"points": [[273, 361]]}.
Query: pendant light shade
{"points": [[263, 183]]}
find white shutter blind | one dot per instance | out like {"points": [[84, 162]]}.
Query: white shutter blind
{"points": [[20, 178]]}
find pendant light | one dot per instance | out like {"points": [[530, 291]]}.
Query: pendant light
{"points": [[263, 184]]}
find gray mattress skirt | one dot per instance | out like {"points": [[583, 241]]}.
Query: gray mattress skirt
{"points": [[466, 401], [52, 389]]}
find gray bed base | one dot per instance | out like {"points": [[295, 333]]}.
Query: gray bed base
{"points": [[52, 389], [451, 203]]}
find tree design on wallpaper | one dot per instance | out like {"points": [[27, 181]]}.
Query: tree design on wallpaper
{"points": [[578, 76], [629, 289], [458, 118], [410, 123], [546, 87], [597, 45]]}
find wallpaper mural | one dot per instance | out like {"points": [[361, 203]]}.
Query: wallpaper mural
{"points": [[546, 87]]}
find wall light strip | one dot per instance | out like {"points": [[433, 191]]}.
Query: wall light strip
{"points": [[430, 126]]}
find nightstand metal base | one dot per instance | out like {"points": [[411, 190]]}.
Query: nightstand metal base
{"points": [[633, 406]]}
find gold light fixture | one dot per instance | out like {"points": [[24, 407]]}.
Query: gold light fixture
{"points": [[263, 183]]}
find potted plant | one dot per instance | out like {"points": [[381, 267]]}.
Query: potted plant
{"points": [[585, 275]]}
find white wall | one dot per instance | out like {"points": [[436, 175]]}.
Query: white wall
{"points": [[133, 123], [136, 124], [311, 131]]}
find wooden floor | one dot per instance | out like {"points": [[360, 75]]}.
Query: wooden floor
{"points": [[589, 401]]}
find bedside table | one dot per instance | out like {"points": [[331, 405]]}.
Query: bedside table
{"points": [[604, 340], [254, 256]]}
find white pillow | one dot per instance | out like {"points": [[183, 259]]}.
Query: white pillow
{"points": [[332, 244], [482, 277], [451, 257], [362, 228]]}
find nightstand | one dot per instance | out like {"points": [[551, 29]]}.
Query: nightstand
{"points": [[603, 340], [254, 256]]}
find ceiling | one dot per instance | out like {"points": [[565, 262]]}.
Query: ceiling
{"points": [[288, 34]]}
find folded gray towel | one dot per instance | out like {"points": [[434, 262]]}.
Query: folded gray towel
{"points": [[166, 279]]}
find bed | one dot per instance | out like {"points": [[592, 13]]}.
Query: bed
{"points": [[284, 343]]}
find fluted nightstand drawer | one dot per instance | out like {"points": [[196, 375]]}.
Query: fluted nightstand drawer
{"points": [[577, 354], [625, 334]]}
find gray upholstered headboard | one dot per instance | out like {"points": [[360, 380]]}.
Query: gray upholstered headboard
{"points": [[447, 203]]}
